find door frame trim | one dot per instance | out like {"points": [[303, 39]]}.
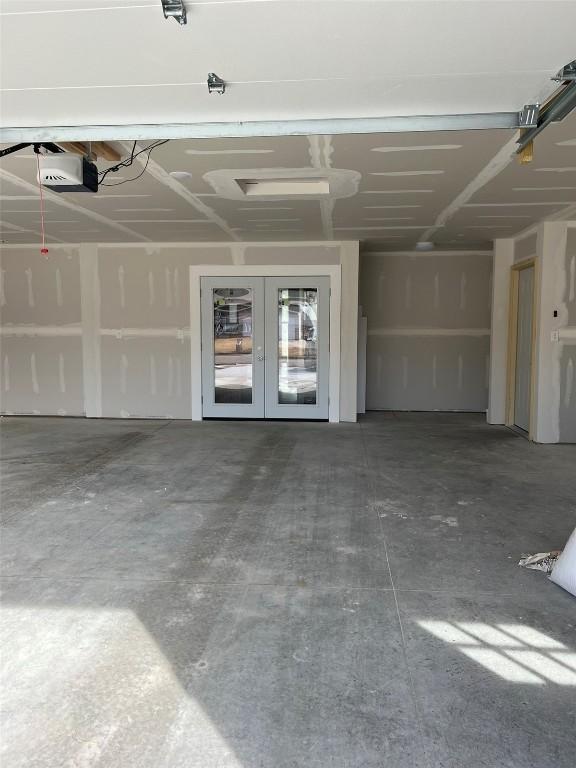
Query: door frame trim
{"points": [[333, 271], [515, 270]]}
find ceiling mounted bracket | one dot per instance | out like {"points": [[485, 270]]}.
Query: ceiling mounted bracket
{"points": [[556, 109], [528, 117], [175, 9], [566, 73], [216, 84], [37, 146]]}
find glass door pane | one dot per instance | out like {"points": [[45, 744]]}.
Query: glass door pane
{"points": [[233, 347], [297, 346], [233, 361]]}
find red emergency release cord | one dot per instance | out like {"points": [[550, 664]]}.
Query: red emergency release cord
{"points": [[43, 249]]}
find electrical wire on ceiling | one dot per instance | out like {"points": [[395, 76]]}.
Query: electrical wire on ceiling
{"points": [[129, 161]]}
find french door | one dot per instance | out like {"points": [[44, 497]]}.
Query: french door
{"points": [[265, 347]]}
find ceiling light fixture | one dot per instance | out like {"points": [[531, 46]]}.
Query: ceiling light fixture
{"points": [[175, 9]]}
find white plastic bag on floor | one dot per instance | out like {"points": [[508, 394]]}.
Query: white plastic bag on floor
{"points": [[564, 571], [541, 561]]}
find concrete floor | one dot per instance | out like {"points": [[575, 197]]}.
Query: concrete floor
{"points": [[282, 595]]}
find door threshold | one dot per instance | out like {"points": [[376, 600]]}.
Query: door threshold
{"points": [[276, 420]]}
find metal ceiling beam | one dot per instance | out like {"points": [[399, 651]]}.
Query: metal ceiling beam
{"points": [[479, 121]]}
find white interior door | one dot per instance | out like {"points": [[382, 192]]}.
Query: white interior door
{"points": [[524, 348], [233, 347], [297, 347], [265, 347]]}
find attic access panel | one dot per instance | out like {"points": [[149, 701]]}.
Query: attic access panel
{"points": [[283, 187]]}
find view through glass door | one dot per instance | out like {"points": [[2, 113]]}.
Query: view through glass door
{"points": [[265, 347]]}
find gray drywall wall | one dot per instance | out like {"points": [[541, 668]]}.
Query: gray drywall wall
{"points": [[428, 330], [570, 276], [105, 330], [567, 413], [41, 341], [525, 248], [145, 377], [424, 373], [42, 376], [323, 254], [140, 289], [39, 289], [146, 290]]}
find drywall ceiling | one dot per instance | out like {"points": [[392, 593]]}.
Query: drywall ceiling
{"points": [[111, 62], [459, 189]]}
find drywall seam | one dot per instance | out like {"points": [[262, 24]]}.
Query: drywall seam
{"points": [[569, 383], [349, 333], [425, 254], [67, 246], [6, 372], [58, 285], [321, 150], [37, 233], [530, 230], [161, 175], [238, 253], [503, 261], [429, 332], [326, 210], [500, 161], [2, 289], [195, 245], [59, 199], [29, 286], [91, 353], [362, 353], [34, 374], [43, 331], [564, 214], [61, 374], [196, 344], [335, 405], [146, 333]]}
